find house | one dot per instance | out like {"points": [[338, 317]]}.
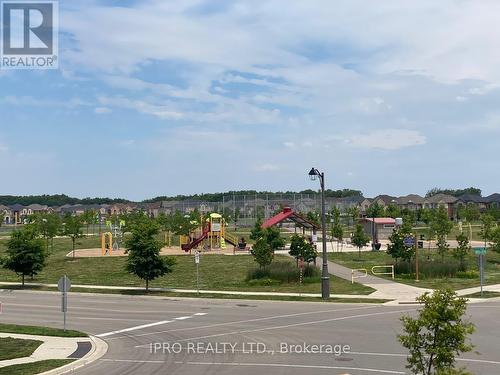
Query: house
{"points": [[493, 201], [5, 214], [412, 202], [442, 200], [379, 228]]}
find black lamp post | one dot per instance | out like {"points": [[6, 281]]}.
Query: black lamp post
{"points": [[325, 277]]}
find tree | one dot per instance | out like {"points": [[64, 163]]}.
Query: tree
{"points": [[48, 225], [359, 238], [487, 225], [375, 210], [301, 248], [143, 248], [469, 213], [461, 251], [72, 228], [262, 252], [397, 249], [495, 239], [257, 232], [25, 253], [393, 211], [353, 213], [442, 226], [438, 334], [337, 229], [273, 237]]}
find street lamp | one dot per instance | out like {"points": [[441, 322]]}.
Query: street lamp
{"points": [[325, 277]]}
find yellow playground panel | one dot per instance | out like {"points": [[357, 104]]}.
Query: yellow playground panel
{"points": [[107, 243]]}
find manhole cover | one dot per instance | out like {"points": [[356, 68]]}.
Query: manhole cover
{"points": [[344, 359]]}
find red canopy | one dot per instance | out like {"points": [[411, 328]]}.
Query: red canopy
{"points": [[289, 214]]}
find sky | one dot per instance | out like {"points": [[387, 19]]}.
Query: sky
{"points": [[157, 97]]}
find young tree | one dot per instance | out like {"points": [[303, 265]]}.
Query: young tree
{"points": [[359, 238], [353, 213], [375, 210], [397, 249], [48, 225], [273, 237], [337, 229], [257, 232], [442, 226], [25, 253], [461, 251], [301, 248], [438, 334], [495, 239], [72, 228], [487, 225], [143, 248], [262, 252]]}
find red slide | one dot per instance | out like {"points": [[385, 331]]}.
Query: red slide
{"points": [[188, 246]]}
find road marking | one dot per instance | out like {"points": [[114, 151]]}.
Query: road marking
{"points": [[52, 307], [183, 317], [130, 361], [285, 365], [272, 327], [134, 328], [117, 319], [200, 314], [249, 321], [146, 325], [405, 355], [288, 325]]}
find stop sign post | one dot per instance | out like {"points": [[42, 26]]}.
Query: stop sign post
{"points": [[64, 285]]}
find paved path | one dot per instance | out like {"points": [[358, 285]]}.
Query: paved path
{"points": [[385, 289], [83, 349]]}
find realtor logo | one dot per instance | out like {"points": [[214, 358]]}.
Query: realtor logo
{"points": [[29, 35]]}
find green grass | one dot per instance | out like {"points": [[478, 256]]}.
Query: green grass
{"points": [[217, 272], [486, 294], [370, 259], [34, 367], [39, 331], [11, 348]]}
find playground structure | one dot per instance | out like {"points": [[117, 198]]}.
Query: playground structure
{"points": [[212, 233], [110, 241]]}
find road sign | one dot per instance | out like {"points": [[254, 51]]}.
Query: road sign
{"points": [[64, 284], [197, 257], [480, 250], [409, 241]]}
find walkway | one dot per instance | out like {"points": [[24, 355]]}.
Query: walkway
{"points": [[385, 289]]}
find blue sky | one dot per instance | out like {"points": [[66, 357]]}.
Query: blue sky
{"points": [[159, 97]]}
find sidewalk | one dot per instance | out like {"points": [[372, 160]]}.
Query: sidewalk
{"points": [[385, 289], [194, 291], [82, 349]]}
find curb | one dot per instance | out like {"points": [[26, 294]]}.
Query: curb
{"points": [[99, 348]]}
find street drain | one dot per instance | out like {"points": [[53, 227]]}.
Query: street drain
{"points": [[244, 305]]}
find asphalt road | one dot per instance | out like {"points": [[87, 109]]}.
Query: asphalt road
{"points": [[202, 336]]}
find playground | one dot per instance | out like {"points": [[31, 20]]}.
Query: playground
{"points": [[210, 237]]}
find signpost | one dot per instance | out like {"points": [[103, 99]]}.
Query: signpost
{"points": [[197, 261], [301, 273], [410, 241], [64, 285], [481, 252]]}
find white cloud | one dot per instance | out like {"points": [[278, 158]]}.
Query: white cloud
{"points": [[266, 167], [387, 139], [102, 110]]}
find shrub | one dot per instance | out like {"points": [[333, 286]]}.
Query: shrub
{"points": [[284, 272], [430, 269]]}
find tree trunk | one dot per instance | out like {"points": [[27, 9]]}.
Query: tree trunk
{"points": [[73, 242], [147, 285], [23, 280]]}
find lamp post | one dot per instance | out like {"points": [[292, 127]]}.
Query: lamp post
{"points": [[325, 277]]}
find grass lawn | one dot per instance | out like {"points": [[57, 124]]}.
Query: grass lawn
{"points": [[11, 348], [34, 367], [486, 294], [370, 259], [217, 272], [39, 331]]}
